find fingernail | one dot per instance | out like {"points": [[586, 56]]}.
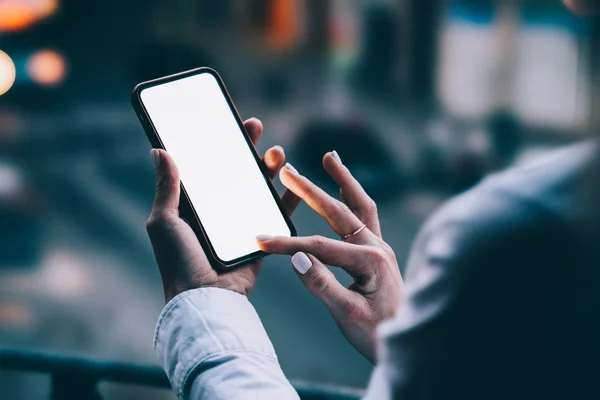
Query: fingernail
{"points": [[263, 238], [155, 155], [301, 263], [336, 156], [291, 168]]}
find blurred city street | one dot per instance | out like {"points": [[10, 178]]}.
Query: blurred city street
{"points": [[414, 125]]}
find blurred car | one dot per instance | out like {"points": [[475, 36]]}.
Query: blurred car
{"points": [[362, 150]]}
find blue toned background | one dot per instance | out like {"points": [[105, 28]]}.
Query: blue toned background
{"points": [[421, 98]]}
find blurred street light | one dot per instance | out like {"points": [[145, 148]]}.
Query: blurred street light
{"points": [[47, 67], [8, 72], [16, 15], [283, 30]]}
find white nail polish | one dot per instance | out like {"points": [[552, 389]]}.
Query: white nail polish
{"points": [[336, 156], [301, 263], [263, 238], [155, 155], [291, 168]]}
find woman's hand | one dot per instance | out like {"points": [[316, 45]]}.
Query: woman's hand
{"points": [[182, 262], [377, 290]]}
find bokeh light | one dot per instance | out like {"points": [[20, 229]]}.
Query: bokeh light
{"points": [[47, 67], [47, 7], [16, 15], [8, 72]]}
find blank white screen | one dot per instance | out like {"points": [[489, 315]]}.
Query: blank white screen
{"points": [[219, 172]]}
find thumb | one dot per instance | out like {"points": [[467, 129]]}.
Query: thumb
{"points": [[167, 182], [321, 282]]}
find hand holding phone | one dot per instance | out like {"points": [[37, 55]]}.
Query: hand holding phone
{"points": [[227, 196], [208, 217], [182, 261]]}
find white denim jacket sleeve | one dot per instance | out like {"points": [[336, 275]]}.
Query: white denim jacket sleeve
{"points": [[212, 345]]}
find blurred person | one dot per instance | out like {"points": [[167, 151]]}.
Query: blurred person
{"points": [[500, 300]]}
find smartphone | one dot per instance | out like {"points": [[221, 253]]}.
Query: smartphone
{"points": [[226, 197]]}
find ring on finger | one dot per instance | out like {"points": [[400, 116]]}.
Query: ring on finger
{"points": [[356, 232]]}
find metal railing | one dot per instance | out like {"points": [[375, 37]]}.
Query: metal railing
{"points": [[78, 377]]}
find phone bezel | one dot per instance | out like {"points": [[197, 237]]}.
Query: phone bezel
{"points": [[186, 207]]}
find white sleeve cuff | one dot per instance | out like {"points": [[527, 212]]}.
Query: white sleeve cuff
{"points": [[198, 324]]}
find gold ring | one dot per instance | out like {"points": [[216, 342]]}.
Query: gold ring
{"points": [[359, 230]]}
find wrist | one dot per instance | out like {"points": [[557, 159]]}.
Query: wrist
{"points": [[174, 289], [172, 292]]}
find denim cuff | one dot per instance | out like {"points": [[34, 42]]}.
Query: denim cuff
{"points": [[199, 324]]}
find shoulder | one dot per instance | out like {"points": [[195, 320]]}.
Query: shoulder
{"points": [[553, 181], [506, 216], [548, 186]]}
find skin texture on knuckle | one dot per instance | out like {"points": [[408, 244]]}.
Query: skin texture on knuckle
{"points": [[318, 284], [377, 256], [159, 221], [388, 249], [163, 181], [151, 225], [353, 312], [167, 182], [372, 275], [364, 210], [318, 244], [371, 206]]}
